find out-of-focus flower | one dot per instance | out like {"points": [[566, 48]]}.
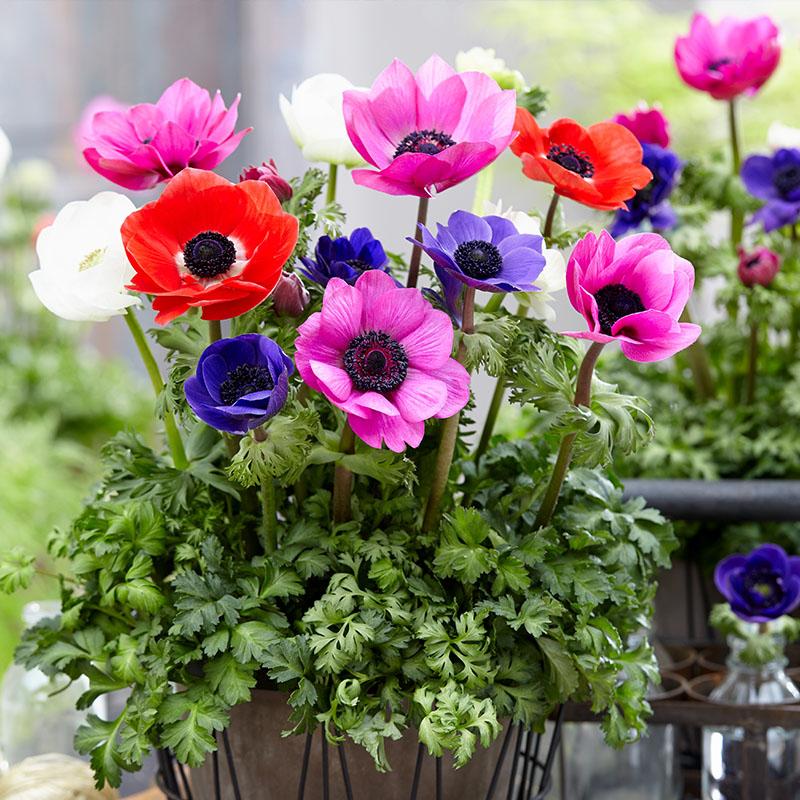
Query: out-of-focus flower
{"points": [[208, 243], [730, 58], [316, 122], [240, 383], [651, 203], [760, 586], [480, 59], [632, 291], [82, 132], [82, 265], [758, 266], [346, 257], [5, 153], [382, 354], [290, 297], [646, 124], [268, 173], [599, 166], [33, 181], [429, 132], [44, 220], [552, 278], [776, 179], [782, 137], [146, 144]]}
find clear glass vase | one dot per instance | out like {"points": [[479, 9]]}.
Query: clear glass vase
{"points": [[746, 684]]}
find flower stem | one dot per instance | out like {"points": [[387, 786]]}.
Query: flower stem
{"points": [[494, 302], [483, 189], [343, 478], [737, 217], [583, 397], [551, 215], [752, 365], [447, 443], [214, 330], [268, 510], [416, 252], [331, 196], [697, 357], [173, 435]]}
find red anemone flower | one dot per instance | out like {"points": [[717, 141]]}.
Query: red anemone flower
{"points": [[208, 243], [599, 166]]}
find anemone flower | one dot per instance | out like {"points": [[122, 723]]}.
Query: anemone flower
{"points": [[646, 124], [776, 179], [210, 244], [760, 586], [632, 291], [268, 173], [599, 166], [149, 143], [382, 354], [730, 58], [759, 266], [427, 133], [346, 257]]}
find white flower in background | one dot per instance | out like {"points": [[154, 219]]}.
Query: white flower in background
{"points": [[5, 153], [83, 266], [553, 278], [33, 180], [780, 136], [316, 121], [479, 59]]}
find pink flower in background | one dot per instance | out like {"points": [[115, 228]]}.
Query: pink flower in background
{"points": [[730, 58], [268, 173], [429, 132], [382, 354], [141, 146], [82, 132], [758, 266], [647, 124], [632, 291]]}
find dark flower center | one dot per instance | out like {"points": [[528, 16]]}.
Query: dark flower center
{"points": [[375, 362], [430, 142], [478, 259], [752, 262], [786, 178], [614, 302], [358, 264], [244, 379], [573, 160], [763, 587], [147, 140], [720, 62], [209, 254]]}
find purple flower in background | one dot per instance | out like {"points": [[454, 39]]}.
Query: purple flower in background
{"points": [[761, 586], [346, 258], [486, 253], [651, 203], [776, 179], [240, 383]]}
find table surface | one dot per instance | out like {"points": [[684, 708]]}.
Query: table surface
{"points": [[150, 794]]}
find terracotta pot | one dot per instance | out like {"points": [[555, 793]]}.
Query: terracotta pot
{"points": [[268, 766]]}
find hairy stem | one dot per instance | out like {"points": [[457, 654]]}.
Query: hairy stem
{"points": [[547, 232], [331, 196], [494, 302], [268, 510], [343, 478], [737, 217], [416, 252]]}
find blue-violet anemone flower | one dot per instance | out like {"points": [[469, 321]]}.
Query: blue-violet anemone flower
{"points": [[651, 203], [761, 586], [486, 253], [240, 383], [346, 258], [776, 179]]}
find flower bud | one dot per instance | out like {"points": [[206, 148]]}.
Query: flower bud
{"points": [[759, 266], [480, 59], [290, 296], [268, 173]]}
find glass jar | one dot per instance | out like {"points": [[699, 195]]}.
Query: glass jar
{"points": [[746, 684]]}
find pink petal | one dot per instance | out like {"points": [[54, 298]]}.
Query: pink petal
{"points": [[432, 73], [457, 380], [146, 120], [373, 401], [186, 104], [341, 313], [395, 112], [123, 173], [420, 396], [335, 382], [398, 314], [174, 145], [492, 118], [395, 431], [480, 87], [364, 132], [312, 344], [429, 345], [664, 348], [440, 109], [114, 128]]}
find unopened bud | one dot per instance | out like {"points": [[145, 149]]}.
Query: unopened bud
{"points": [[758, 266], [290, 296], [268, 173]]}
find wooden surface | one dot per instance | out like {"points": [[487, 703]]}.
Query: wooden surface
{"points": [[150, 794]]}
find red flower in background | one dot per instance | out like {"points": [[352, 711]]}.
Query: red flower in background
{"points": [[208, 243], [599, 166]]}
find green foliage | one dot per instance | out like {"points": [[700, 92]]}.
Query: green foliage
{"points": [[533, 99]]}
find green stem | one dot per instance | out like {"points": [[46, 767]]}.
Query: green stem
{"points": [[583, 397], [737, 217], [343, 478], [697, 357], [483, 189], [551, 215], [494, 302], [214, 330], [268, 510], [752, 365], [331, 196], [173, 436], [416, 252]]}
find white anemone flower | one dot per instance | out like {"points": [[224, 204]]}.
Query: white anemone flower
{"points": [[480, 59], [316, 121], [780, 136], [83, 266], [553, 278]]}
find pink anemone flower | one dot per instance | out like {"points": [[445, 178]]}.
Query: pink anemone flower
{"points": [[141, 146], [382, 354], [429, 132], [730, 58], [632, 291], [647, 124]]}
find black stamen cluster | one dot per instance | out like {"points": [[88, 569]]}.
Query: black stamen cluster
{"points": [[786, 178], [244, 379], [764, 587], [614, 302], [375, 362], [574, 160], [431, 142], [478, 259], [209, 254], [358, 264]]}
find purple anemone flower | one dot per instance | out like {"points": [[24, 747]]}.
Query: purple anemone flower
{"points": [[240, 383], [761, 586], [486, 253], [346, 258], [776, 179]]}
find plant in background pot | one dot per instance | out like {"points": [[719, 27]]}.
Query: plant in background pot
{"points": [[320, 526]]}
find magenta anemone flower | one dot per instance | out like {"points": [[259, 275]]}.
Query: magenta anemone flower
{"points": [[647, 124], [730, 58], [382, 354], [758, 266], [429, 132], [143, 145], [632, 291]]}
